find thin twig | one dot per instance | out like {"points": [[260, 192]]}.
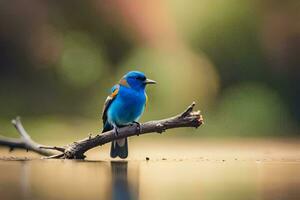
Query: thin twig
{"points": [[54, 156], [61, 149]]}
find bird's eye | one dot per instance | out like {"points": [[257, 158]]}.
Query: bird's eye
{"points": [[140, 78]]}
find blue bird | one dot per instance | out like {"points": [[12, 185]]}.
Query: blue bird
{"points": [[125, 106]]}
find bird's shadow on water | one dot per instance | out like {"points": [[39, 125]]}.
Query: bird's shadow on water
{"points": [[122, 188]]}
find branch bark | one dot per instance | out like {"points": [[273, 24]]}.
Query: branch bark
{"points": [[76, 150]]}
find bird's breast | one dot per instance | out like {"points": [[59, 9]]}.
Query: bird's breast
{"points": [[127, 107]]}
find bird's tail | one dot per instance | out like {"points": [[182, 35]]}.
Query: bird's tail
{"points": [[119, 148]]}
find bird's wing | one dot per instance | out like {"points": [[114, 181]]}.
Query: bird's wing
{"points": [[108, 102]]}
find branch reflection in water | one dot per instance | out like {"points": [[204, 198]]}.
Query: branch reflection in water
{"points": [[25, 180]]}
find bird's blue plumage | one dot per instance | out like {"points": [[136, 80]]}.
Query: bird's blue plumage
{"points": [[124, 106], [127, 107]]}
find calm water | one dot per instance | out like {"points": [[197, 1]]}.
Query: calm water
{"points": [[211, 172]]}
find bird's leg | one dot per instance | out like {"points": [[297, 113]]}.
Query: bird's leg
{"points": [[138, 126], [116, 131]]}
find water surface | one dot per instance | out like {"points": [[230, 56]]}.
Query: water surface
{"points": [[213, 170]]}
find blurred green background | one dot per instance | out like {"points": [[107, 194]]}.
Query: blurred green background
{"points": [[239, 60]]}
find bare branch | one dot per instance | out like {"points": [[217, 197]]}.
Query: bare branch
{"points": [[77, 149], [24, 142]]}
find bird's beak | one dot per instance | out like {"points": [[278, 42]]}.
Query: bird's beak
{"points": [[149, 81]]}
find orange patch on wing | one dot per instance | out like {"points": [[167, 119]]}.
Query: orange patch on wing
{"points": [[124, 82], [115, 93]]}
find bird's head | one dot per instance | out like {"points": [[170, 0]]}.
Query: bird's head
{"points": [[135, 80]]}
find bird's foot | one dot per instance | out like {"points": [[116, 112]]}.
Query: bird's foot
{"points": [[138, 127]]}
